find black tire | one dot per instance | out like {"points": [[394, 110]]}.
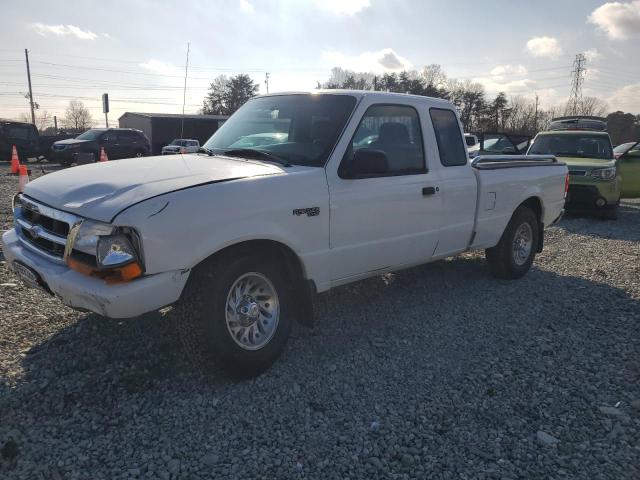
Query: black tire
{"points": [[610, 213], [502, 258], [139, 153], [203, 324]]}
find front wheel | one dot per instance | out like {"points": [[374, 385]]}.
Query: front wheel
{"points": [[241, 311], [611, 212], [514, 254]]}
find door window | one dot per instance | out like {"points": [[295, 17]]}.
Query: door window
{"points": [[450, 145], [394, 130]]}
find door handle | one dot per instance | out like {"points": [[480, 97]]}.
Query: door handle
{"points": [[430, 190]]}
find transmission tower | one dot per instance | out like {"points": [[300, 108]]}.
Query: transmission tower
{"points": [[577, 79]]}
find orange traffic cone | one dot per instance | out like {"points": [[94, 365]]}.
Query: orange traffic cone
{"points": [[103, 155], [24, 178], [15, 161]]}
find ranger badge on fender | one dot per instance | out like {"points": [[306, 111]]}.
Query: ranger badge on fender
{"points": [[309, 212]]}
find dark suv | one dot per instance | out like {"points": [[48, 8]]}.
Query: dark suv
{"points": [[117, 143]]}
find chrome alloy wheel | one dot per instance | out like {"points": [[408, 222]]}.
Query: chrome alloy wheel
{"points": [[252, 311], [522, 244]]}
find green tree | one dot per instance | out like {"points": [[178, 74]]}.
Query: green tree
{"points": [[241, 89], [623, 127], [226, 95]]}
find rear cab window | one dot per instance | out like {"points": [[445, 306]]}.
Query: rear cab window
{"points": [[451, 147]]}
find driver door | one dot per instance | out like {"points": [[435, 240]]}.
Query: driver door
{"points": [[390, 218], [629, 168]]}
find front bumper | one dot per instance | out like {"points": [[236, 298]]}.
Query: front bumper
{"points": [[123, 300], [592, 197]]}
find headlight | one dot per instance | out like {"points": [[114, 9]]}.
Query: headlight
{"points": [[102, 250], [115, 251], [86, 238], [608, 173]]}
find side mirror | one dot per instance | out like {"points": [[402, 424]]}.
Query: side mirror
{"points": [[368, 163]]}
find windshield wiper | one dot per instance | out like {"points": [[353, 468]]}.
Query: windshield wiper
{"points": [[205, 150], [254, 152]]}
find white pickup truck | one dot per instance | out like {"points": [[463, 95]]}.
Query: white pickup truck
{"points": [[343, 185]]}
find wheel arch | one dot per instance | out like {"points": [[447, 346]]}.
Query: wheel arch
{"points": [[304, 288], [534, 203]]}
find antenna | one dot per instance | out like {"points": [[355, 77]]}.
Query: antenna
{"points": [[184, 93], [266, 81], [577, 79]]}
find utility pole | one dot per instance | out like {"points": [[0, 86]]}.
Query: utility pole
{"points": [[375, 83], [33, 113], [184, 93], [55, 124], [577, 79], [266, 81]]}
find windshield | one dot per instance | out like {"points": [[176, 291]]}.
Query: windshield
{"points": [[584, 146], [299, 129], [179, 143], [90, 135]]}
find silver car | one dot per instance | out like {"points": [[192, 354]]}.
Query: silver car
{"points": [[181, 145]]}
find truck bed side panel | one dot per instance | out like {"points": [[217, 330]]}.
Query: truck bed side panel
{"points": [[501, 190]]}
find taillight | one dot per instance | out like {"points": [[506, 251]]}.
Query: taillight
{"points": [[566, 185]]}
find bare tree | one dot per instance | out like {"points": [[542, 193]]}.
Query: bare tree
{"points": [[433, 75], [592, 106], [43, 119], [77, 117]]}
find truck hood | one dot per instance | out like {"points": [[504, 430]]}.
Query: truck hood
{"points": [[586, 163], [101, 190]]}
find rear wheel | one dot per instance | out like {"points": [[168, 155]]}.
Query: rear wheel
{"points": [[514, 254], [238, 314], [139, 153]]}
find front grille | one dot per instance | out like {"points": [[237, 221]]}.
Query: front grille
{"points": [[57, 227], [577, 173], [42, 228]]}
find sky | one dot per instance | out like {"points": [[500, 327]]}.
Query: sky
{"points": [[136, 50]]}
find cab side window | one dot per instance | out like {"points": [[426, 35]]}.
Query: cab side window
{"points": [[450, 145], [395, 131]]}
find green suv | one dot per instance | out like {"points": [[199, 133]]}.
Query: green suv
{"points": [[584, 145]]}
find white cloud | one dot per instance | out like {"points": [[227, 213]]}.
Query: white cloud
{"points": [[246, 6], [63, 30], [592, 54], [591, 74], [498, 73], [156, 66], [384, 60], [626, 99], [544, 47], [617, 19], [496, 84], [343, 7]]}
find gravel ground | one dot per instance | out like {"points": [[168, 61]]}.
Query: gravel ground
{"points": [[436, 372]]}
